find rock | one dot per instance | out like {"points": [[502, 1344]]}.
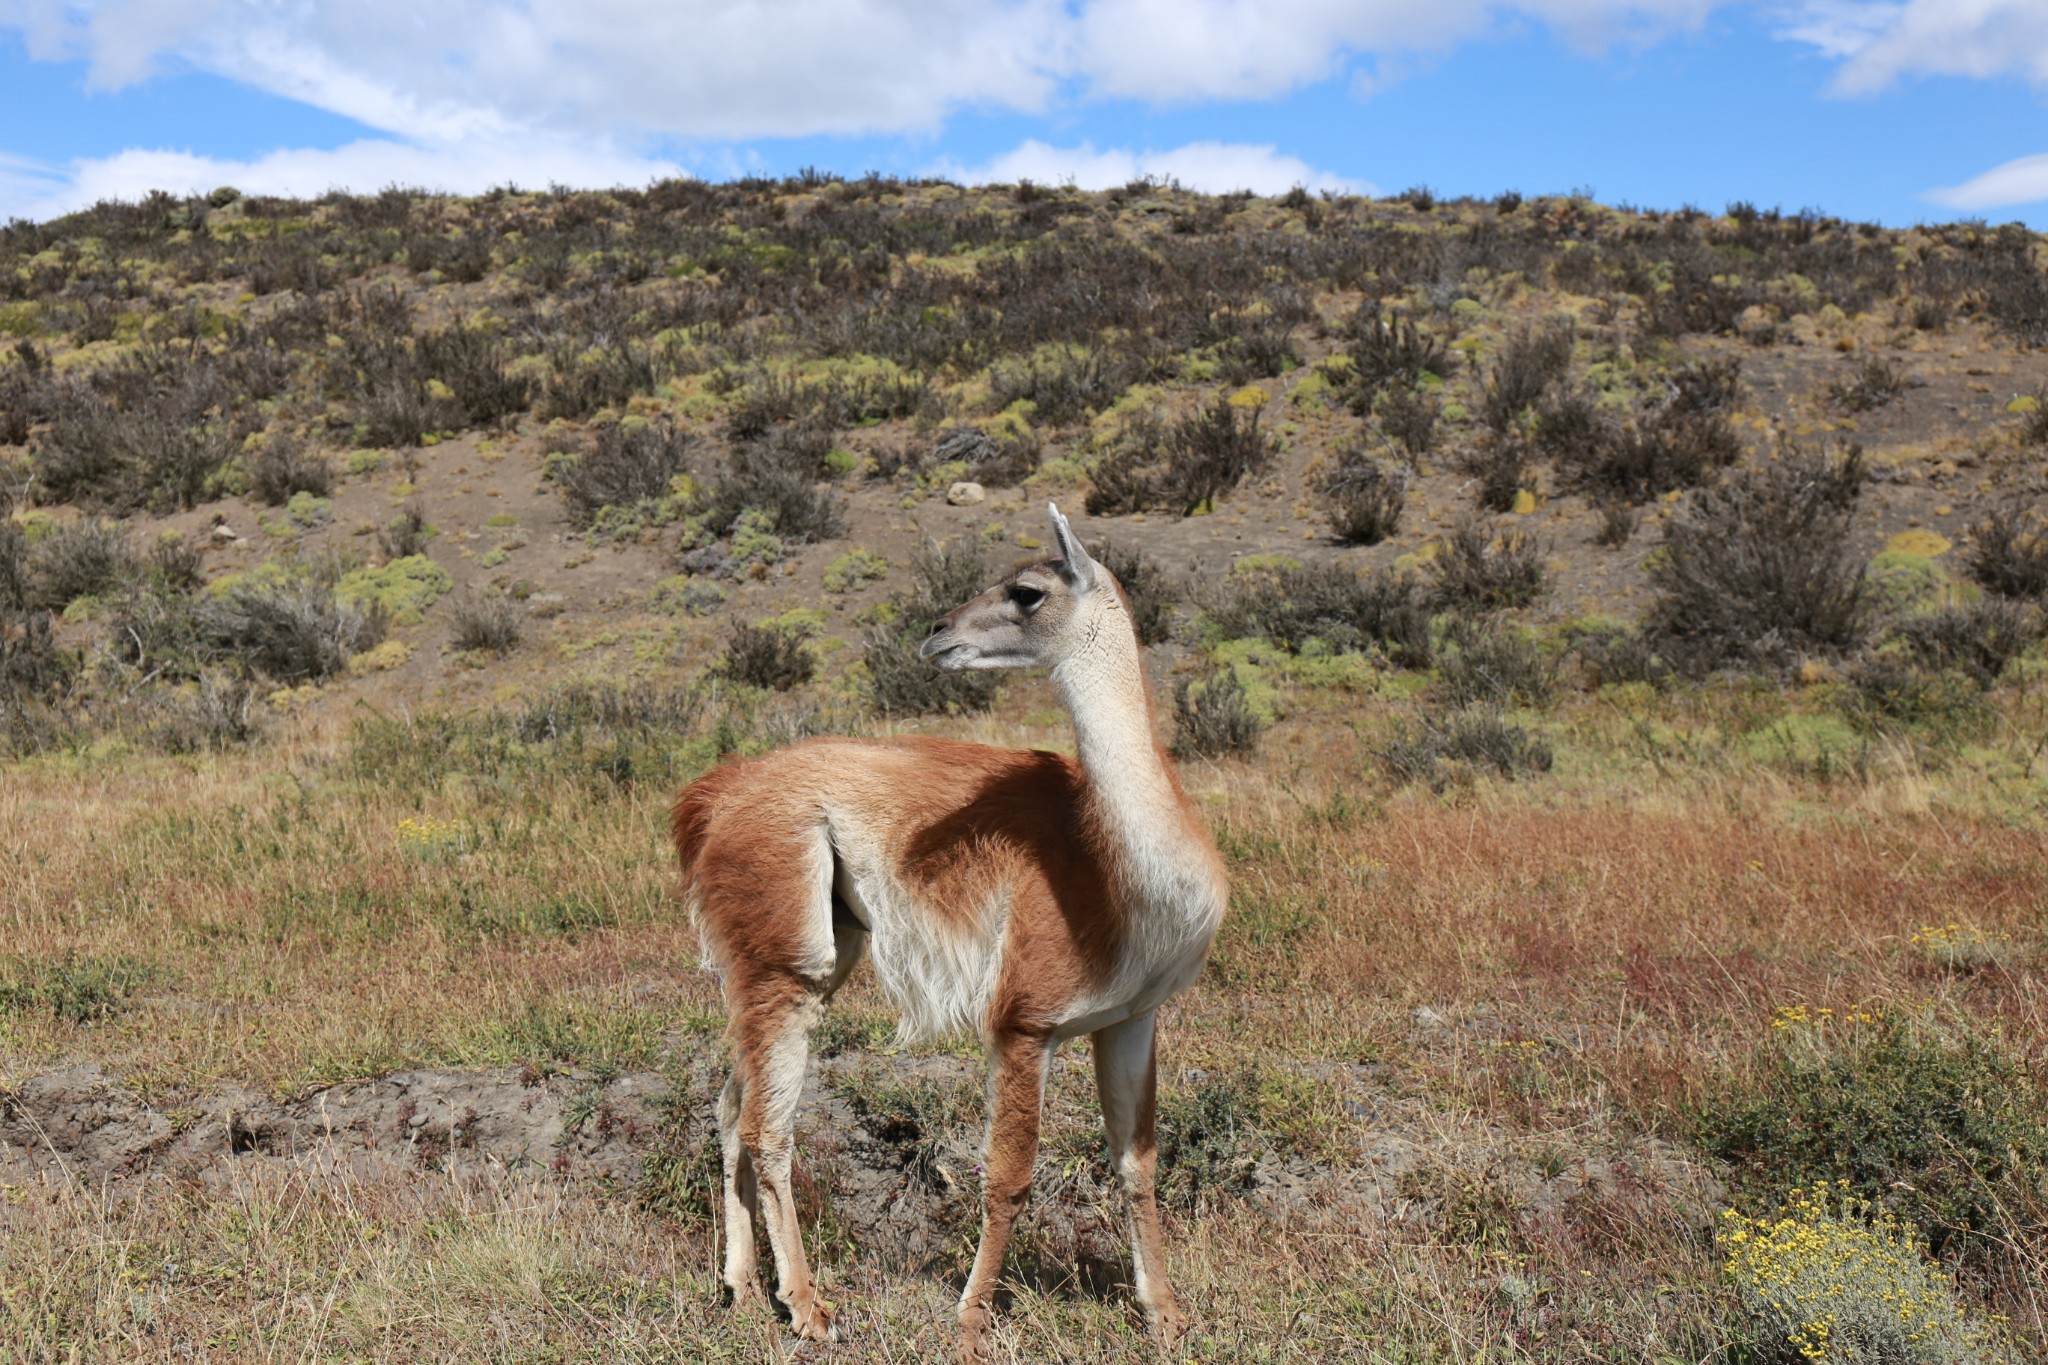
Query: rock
{"points": [[965, 494], [224, 534], [1428, 1018]]}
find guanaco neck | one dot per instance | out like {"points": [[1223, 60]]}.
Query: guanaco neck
{"points": [[1134, 795]]}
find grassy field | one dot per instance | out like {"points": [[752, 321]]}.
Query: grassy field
{"points": [[1608, 645]]}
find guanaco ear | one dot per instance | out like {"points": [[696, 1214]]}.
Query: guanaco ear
{"points": [[1075, 565]]}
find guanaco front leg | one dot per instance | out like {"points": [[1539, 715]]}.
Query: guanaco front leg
{"points": [[1127, 1080], [1016, 1096]]}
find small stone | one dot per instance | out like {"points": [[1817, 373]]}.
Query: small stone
{"points": [[965, 494], [224, 533], [1427, 1017]]}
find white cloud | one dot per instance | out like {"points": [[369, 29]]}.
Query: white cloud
{"points": [[1880, 41], [35, 192], [742, 69], [1217, 167], [2023, 180]]}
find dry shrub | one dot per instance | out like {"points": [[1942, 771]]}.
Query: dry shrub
{"points": [[779, 479], [1212, 718], [1500, 464], [490, 622], [1328, 602], [625, 466], [1183, 466], [1496, 665], [289, 628], [1758, 567], [1981, 639], [2009, 550], [1365, 497], [900, 682], [84, 558], [1679, 443], [1876, 382], [406, 534], [1475, 572], [284, 467], [1532, 360], [1448, 750], [769, 656], [1387, 354], [1410, 416]]}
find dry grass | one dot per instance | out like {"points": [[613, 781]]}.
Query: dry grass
{"points": [[1521, 981]]}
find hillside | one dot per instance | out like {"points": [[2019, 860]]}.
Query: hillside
{"points": [[586, 396], [1608, 644]]}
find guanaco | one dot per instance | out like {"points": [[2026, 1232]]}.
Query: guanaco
{"points": [[1022, 894]]}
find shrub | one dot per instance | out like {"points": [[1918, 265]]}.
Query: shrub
{"points": [[1065, 388], [214, 713], [1501, 667], [1210, 1138], [901, 683], [780, 484], [77, 988], [1182, 467], [1453, 748], [1678, 443], [1834, 1277], [406, 534], [31, 663], [1500, 463], [1533, 359], [1212, 718], [2009, 550], [1618, 519], [83, 558], [768, 656], [157, 449], [1877, 381], [1939, 1124], [1384, 354], [1409, 415], [1472, 571], [472, 363], [1149, 591], [1759, 568], [1329, 602], [625, 466], [290, 628], [1366, 497], [489, 621], [1981, 639], [284, 467]]}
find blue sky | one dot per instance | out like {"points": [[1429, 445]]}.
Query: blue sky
{"points": [[1891, 110]]}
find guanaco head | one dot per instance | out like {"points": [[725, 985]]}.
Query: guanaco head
{"points": [[1038, 615]]}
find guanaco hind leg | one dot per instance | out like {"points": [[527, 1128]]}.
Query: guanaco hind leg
{"points": [[771, 1046]]}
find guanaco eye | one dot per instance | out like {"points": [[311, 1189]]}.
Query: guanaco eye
{"points": [[1026, 598]]}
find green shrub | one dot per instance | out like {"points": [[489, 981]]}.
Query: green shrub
{"points": [[1475, 572], [78, 559], [1938, 1123], [1290, 605], [76, 987]]}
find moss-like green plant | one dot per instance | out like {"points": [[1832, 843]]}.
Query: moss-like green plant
{"points": [[854, 568], [404, 588]]}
